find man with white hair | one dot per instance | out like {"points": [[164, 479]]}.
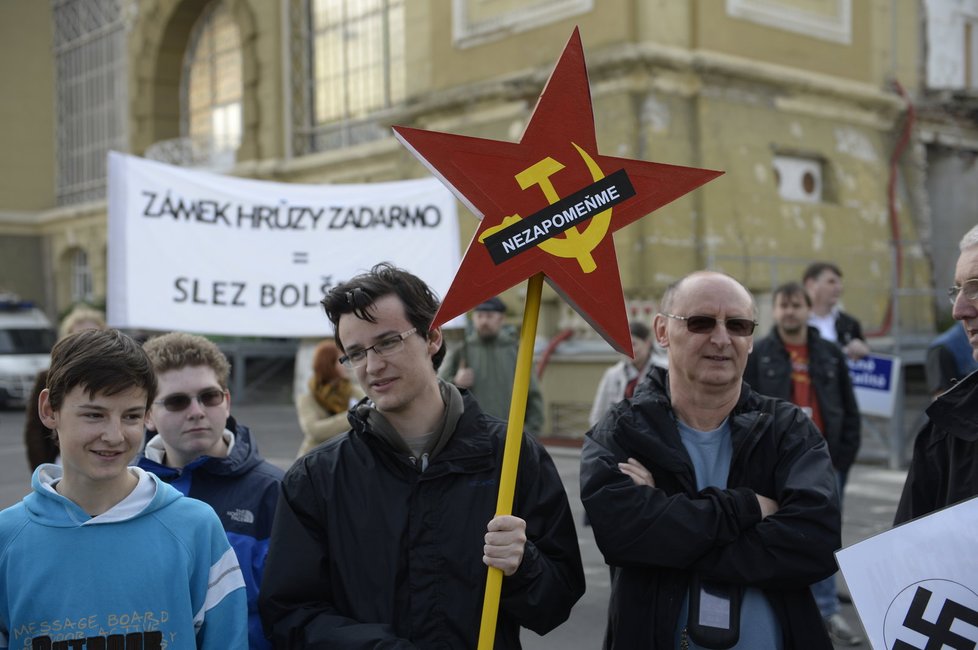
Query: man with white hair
{"points": [[944, 469]]}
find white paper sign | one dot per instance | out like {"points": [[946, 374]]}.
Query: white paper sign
{"points": [[916, 586], [201, 252]]}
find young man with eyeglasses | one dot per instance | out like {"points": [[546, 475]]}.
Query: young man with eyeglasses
{"points": [[944, 469], [794, 363], [715, 507], [197, 447], [383, 534]]}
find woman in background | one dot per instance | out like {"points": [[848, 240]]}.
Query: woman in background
{"points": [[322, 411]]}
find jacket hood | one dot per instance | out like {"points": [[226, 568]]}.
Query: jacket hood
{"points": [[46, 507], [242, 456]]}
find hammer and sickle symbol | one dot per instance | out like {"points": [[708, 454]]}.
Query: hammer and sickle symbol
{"points": [[573, 244]]}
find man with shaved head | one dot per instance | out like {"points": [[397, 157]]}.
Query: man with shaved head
{"points": [[716, 507]]}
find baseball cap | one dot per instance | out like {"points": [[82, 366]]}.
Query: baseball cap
{"points": [[492, 304]]}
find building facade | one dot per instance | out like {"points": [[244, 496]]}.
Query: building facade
{"points": [[841, 132]]}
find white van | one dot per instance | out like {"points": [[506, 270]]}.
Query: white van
{"points": [[26, 338]]}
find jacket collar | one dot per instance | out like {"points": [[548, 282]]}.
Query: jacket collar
{"points": [[242, 454], [954, 411], [651, 410]]}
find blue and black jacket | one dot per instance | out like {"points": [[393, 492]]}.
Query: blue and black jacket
{"points": [[243, 490]]}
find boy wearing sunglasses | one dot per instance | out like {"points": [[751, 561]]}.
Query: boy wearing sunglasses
{"points": [[383, 533], [716, 507], [101, 554], [196, 446]]}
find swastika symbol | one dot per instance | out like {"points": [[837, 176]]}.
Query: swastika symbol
{"points": [[938, 633]]}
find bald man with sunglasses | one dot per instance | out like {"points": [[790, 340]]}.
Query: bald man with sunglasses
{"points": [[716, 507], [197, 447]]}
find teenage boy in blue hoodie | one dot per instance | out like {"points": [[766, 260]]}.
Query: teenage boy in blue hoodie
{"points": [[100, 554], [198, 448]]}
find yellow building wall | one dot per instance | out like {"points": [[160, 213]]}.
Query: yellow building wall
{"points": [[26, 106], [683, 83]]}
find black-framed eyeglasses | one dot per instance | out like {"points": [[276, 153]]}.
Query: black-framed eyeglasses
{"points": [[181, 401], [705, 324], [385, 348], [969, 288]]}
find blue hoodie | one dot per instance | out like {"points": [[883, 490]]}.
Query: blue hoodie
{"points": [[156, 565], [243, 489]]}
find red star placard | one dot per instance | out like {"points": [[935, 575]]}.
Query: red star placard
{"points": [[550, 203]]}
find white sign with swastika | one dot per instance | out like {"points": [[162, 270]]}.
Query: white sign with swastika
{"points": [[916, 586]]}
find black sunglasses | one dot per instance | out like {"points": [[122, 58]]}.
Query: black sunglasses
{"points": [[705, 324], [180, 401]]}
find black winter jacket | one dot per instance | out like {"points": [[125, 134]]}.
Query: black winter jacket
{"points": [[769, 373], [944, 469], [243, 489], [847, 328], [370, 552], [656, 538]]}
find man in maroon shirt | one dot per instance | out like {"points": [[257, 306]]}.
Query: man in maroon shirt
{"points": [[796, 364]]}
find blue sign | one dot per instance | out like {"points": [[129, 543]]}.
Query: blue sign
{"points": [[875, 380], [872, 372]]}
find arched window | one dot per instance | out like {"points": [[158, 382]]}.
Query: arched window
{"points": [[211, 85], [81, 277]]}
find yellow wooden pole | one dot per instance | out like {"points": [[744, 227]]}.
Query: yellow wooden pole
{"points": [[511, 451]]}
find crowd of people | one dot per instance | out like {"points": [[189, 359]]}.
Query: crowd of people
{"points": [[712, 475]]}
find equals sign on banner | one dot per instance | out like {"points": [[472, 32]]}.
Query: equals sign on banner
{"points": [[300, 257]]}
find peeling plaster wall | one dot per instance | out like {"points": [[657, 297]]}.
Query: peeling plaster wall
{"points": [[684, 83], [953, 190]]}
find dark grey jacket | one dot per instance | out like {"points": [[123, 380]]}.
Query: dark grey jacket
{"points": [[944, 469], [769, 373], [657, 538]]}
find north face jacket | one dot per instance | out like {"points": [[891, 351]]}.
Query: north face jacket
{"points": [[242, 488]]}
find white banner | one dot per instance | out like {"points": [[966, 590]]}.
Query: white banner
{"points": [[201, 252]]}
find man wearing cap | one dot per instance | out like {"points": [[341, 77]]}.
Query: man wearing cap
{"points": [[485, 364]]}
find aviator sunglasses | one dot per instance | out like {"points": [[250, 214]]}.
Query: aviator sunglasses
{"points": [[180, 401], [705, 324]]}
